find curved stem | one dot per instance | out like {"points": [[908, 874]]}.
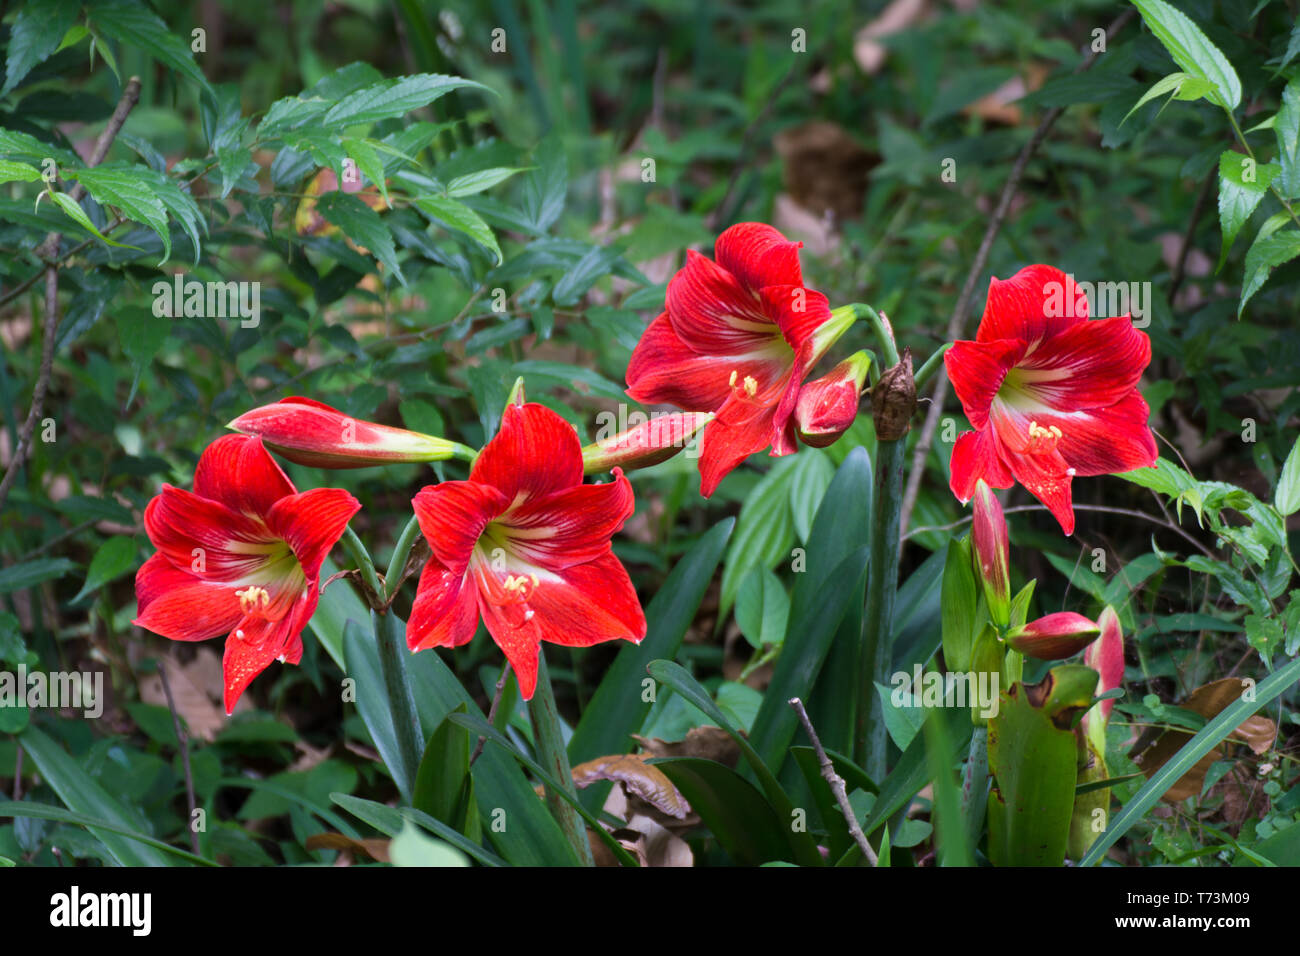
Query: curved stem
{"points": [[551, 753], [931, 366], [357, 551], [396, 564], [884, 332]]}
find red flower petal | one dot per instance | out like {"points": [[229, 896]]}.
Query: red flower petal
{"points": [[218, 544], [714, 314], [256, 642], [312, 523], [445, 612], [1089, 365], [975, 456], [741, 429], [240, 473], [1106, 441], [535, 452], [798, 313], [583, 605], [1045, 477], [452, 516], [977, 370], [569, 527], [664, 370], [596, 602], [1018, 308], [181, 607], [758, 255]]}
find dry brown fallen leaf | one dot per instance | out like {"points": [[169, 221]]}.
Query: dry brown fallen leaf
{"points": [[709, 743], [196, 687], [640, 778], [376, 848], [1209, 701]]}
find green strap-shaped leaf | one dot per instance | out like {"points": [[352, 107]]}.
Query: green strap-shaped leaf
{"points": [[81, 794], [25, 808], [676, 677], [744, 824]]}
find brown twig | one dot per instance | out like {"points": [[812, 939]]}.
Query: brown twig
{"points": [[492, 711], [49, 249], [183, 739], [957, 321], [37, 408], [836, 782], [1180, 267]]}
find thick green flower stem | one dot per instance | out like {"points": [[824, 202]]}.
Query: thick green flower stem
{"points": [[931, 365], [875, 656], [975, 784], [552, 755], [390, 641], [393, 577]]}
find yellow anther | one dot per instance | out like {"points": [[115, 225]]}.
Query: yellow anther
{"points": [[751, 386], [732, 381], [251, 597]]}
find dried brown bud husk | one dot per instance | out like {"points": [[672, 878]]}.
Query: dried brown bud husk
{"points": [[893, 400]]}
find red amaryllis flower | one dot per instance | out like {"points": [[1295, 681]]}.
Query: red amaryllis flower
{"points": [[239, 555], [525, 545], [737, 337], [1051, 394]]}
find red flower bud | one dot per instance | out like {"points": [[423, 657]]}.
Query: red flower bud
{"points": [[1055, 636], [991, 552], [828, 405], [311, 433], [646, 444]]}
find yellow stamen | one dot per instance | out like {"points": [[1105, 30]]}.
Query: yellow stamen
{"points": [[251, 597], [732, 381], [751, 386]]}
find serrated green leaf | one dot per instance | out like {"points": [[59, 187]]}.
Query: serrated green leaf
{"points": [[1192, 50], [484, 179], [35, 35], [364, 154], [1242, 184], [393, 98], [363, 226], [1266, 253], [11, 172], [78, 215], [129, 189], [1286, 127], [1287, 496], [138, 27], [458, 217]]}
